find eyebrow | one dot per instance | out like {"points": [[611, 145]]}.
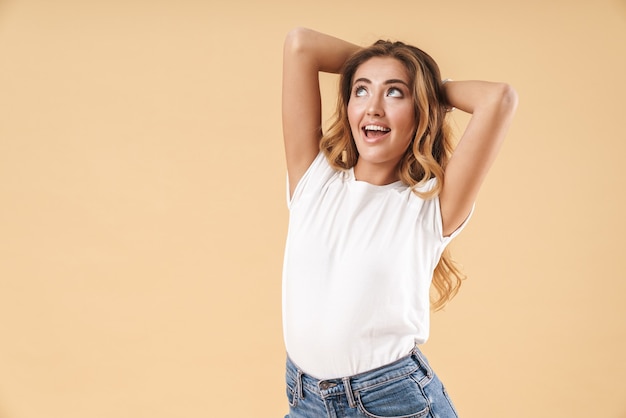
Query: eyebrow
{"points": [[391, 81]]}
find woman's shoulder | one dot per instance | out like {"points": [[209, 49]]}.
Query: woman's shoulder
{"points": [[426, 185], [316, 175]]}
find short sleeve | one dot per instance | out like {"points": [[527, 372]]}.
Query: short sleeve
{"points": [[439, 223], [432, 216], [315, 176]]}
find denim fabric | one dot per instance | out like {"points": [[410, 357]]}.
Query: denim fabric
{"points": [[407, 388]]}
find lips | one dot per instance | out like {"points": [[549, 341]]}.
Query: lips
{"points": [[374, 132]]}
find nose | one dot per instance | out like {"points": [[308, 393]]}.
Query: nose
{"points": [[375, 106]]}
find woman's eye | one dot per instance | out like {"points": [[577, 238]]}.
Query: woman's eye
{"points": [[360, 91], [394, 92]]}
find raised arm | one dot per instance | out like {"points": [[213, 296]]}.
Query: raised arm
{"points": [[306, 53], [492, 106]]}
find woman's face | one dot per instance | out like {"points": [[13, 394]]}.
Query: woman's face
{"points": [[380, 111]]}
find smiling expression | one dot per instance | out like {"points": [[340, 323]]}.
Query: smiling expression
{"points": [[381, 115]]}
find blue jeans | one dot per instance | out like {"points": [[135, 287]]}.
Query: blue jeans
{"points": [[407, 388]]}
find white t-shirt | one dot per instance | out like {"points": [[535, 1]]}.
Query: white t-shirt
{"points": [[358, 265]]}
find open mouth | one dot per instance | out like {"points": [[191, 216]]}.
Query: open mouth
{"points": [[375, 131]]}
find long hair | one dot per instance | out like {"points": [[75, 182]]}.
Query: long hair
{"points": [[429, 150]]}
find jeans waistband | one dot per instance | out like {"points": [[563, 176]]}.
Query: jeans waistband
{"points": [[413, 364]]}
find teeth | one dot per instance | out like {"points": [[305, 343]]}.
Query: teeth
{"points": [[376, 128]]}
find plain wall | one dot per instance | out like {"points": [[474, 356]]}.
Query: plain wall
{"points": [[143, 210]]}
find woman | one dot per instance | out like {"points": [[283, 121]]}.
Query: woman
{"points": [[373, 204]]}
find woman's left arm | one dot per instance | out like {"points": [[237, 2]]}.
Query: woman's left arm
{"points": [[492, 106]]}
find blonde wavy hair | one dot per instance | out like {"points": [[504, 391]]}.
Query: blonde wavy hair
{"points": [[427, 154]]}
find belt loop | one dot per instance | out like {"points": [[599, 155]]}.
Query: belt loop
{"points": [[349, 394], [299, 390], [423, 363]]}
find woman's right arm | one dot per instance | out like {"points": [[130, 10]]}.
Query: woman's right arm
{"points": [[306, 53]]}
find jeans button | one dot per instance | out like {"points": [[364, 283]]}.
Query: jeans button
{"points": [[327, 385]]}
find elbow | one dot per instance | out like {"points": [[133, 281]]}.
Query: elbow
{"points": [[296, 40], [507, 98]]}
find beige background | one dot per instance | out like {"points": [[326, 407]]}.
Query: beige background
{"points": [[142, 207]]}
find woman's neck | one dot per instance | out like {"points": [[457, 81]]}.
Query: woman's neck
{"points": [[377, 174]]}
